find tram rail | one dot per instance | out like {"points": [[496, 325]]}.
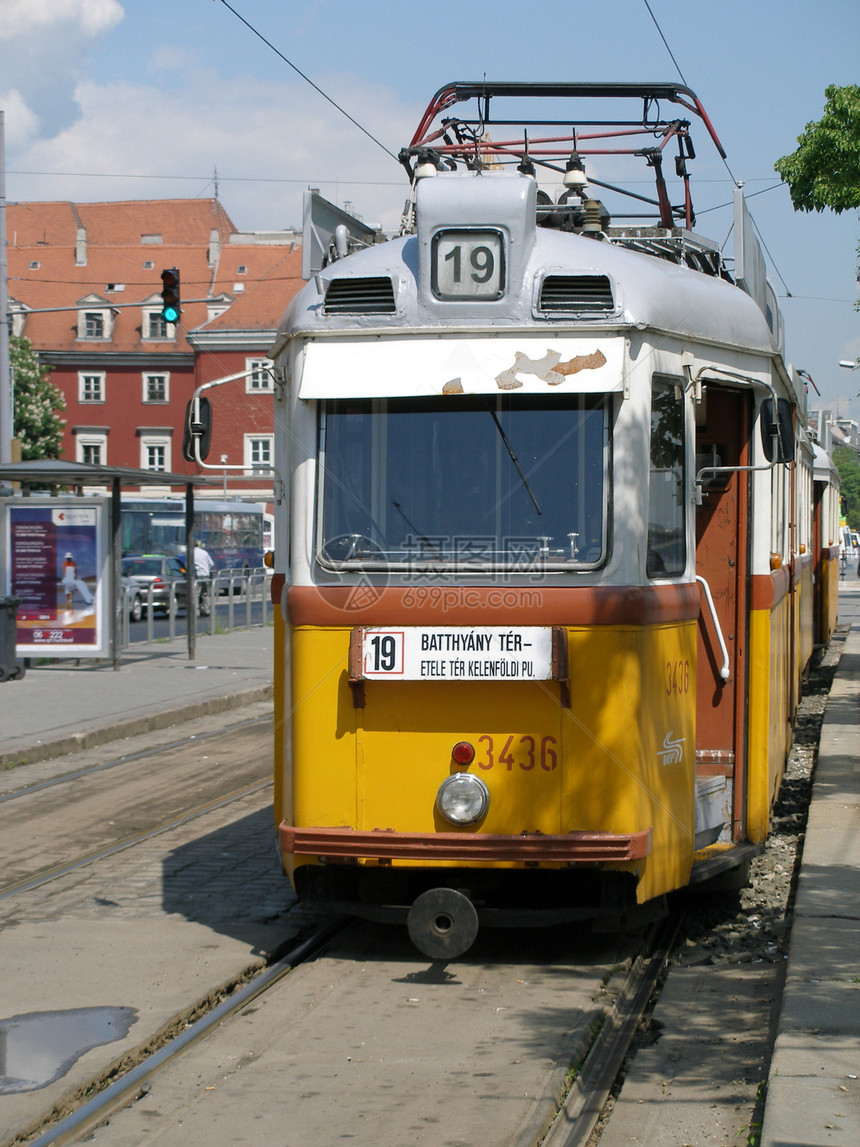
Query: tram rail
{"points": [[54, 872], [135, 1082]]}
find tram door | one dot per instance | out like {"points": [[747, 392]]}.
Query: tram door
{"points": [[723, 421]]}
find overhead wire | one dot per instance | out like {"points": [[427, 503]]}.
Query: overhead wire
{"points": [[307, 80], [738, 183]]}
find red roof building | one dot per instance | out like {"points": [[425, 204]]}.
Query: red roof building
{"points": [[85, 289]]}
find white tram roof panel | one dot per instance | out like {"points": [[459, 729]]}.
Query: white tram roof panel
{"points": [[552, 256], [387, 286]]}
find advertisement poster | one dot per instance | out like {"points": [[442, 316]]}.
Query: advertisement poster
{"points": [[56, 563]]}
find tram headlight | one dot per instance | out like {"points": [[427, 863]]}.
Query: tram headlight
{"points": [[463, 799]]}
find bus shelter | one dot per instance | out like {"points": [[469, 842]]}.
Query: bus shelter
{"points": [[44, 480]]}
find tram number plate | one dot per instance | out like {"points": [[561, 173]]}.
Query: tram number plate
{"points": [[425, 653], [468, 265]]}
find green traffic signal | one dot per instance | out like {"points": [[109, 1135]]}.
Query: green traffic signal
{"points": [[170, 308]]}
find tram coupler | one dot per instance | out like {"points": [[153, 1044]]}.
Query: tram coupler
{"points": [[442, 923]]}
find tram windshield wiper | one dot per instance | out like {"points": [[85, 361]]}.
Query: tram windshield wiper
{"points": [[515, 460]]}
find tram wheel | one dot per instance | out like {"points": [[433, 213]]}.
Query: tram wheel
{"points": [[442, 923]]}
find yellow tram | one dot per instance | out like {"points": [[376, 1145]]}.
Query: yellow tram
{"points": [[549, 522]]}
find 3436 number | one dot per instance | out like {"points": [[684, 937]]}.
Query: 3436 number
{"points": [[677, 677], [517, 751]]}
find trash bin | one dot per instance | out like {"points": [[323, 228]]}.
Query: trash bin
{"points": [[10, 669]]}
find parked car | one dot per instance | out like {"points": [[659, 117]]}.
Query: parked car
{"points": [[164, 574], [132, 596]]}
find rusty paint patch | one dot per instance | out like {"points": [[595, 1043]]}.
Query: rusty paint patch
{"points": [[549, 368], [453, 386], [582, 362]]}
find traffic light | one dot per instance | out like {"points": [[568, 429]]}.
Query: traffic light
{"points": [[170, 308]]}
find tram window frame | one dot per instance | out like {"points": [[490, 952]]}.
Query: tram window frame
{"points": [[504, 548], [674, 546]]}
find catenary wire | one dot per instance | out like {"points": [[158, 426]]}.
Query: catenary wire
{"points": [[307, 80], [736, 182]]}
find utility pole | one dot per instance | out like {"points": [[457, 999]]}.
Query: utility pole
{"points": [[6, 418]]}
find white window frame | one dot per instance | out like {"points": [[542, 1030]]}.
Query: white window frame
{"points": [[145, 377], [261, 381], [149, 441], [150, 313], [257, 467], [83, 375], [104, 313], [89, 439]]}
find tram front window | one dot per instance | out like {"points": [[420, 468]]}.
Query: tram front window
{"points": [[464, 484]]}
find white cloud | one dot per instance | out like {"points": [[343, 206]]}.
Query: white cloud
{"points": [[23, 18], [268, 142], [45, 45], [21, 124]]}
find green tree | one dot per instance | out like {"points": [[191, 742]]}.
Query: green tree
{"points": [[38, 403], [824, 172], [845, 461]]}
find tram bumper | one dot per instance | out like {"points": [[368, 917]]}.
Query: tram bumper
{"points": [[380, 844]]}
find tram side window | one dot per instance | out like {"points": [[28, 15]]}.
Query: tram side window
{"points": [[666, 556]]}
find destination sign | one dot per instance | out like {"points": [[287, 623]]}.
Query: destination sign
{"points": [[428, 653]]}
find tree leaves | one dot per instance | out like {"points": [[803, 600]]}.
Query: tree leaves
{"points": [[38, 403], [824, 171]]}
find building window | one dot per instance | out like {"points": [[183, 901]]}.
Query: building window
{"points": [[259, 380], [91, 448], [95, 323], [155, 388], [155, 452], [91, 387], [258, 453], [155, 457], [157, 327]]}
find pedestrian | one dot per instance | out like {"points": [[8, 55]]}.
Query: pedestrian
{"points": [[203, 563]]}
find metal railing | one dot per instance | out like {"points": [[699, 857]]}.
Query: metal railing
{"points": [[232, 599]]}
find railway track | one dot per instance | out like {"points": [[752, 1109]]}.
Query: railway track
{"points": [[356, 996], [56, 871], [102, 807], [137, 1081]]}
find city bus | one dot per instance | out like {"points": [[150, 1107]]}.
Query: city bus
{"points": [[231, 531]]}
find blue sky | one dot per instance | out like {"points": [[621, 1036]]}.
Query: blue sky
{"points": [[136, 99]]}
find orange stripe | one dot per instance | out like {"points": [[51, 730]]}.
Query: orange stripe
{"points": [[768, 590], [490, 605]]}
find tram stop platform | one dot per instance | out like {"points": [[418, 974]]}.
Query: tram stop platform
{"points": [[813, 1093], [63, 706]]}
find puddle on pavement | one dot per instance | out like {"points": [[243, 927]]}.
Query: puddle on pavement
{"points": [[39, 1047]]}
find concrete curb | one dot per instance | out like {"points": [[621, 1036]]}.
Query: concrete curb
{"points": [[813, 1095], [29, 753]]}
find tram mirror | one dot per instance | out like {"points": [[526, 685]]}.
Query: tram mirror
{"points": [[198, 428], [777, 430]]}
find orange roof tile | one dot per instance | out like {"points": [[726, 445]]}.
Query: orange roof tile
{"points": [[120, 269]]}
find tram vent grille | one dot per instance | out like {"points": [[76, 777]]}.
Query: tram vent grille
{"points": [[590, 293], [360, 296]]}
